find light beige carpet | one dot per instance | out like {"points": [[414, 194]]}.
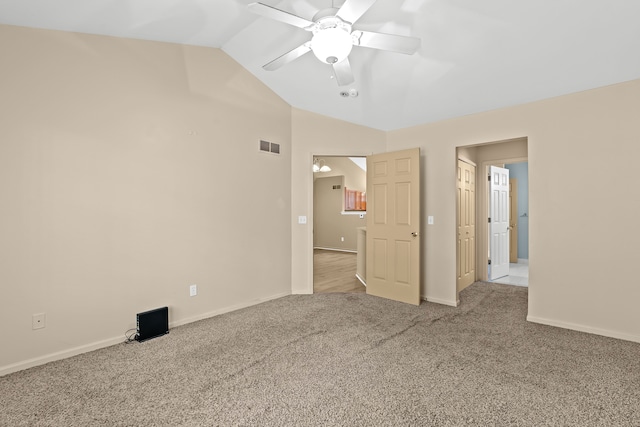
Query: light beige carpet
{"points": [[343, 359]]}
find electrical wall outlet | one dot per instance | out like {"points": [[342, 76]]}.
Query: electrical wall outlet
{"points": [[193, 290], [38, 321]]}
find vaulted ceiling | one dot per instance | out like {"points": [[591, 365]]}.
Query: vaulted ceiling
{"points": [[474, 55]]}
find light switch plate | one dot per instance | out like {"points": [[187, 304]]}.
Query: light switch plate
{"points": [[430, 220]]}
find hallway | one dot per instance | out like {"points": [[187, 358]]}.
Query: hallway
{"points": [[335, 271]]}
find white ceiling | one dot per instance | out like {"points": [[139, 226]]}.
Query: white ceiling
{"points": [[476, 55]]}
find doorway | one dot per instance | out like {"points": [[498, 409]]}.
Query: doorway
{"points": [[391, 250], [339, 209], [508, 153]]}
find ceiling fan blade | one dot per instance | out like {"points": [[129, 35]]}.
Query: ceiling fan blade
{"points": [[342, 70], [352, 10], [279, 15], [288, 57], [391, 42]]}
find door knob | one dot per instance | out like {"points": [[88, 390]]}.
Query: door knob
{"points": [[414, 234]]}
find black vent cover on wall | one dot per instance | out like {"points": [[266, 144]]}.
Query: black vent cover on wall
{"points": [[152, 323]]}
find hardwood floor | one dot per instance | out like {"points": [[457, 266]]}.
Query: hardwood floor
{"points": [[335, 271]]}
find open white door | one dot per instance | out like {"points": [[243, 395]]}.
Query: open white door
{"points": [[393, 225], [499, 221]]}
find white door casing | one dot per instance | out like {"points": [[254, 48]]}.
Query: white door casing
{"points": [[499, 225]]}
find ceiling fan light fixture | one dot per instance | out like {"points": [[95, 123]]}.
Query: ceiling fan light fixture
{"points": [[319, 166], [332, 45]]}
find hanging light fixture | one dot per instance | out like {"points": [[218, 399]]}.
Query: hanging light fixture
{"points": [[319, 166], [332, 40]]}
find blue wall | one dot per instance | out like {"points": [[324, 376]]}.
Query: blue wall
{"points": [[520, 171]]}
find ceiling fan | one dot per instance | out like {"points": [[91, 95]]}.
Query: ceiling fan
{"points": [[333, 36]]}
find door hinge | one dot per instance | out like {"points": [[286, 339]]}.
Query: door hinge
{"points": [[489, 220], [489, 262]]}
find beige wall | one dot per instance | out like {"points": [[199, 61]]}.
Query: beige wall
{"points": [[331, 228], [311, 135], [500, 152], [582, 196], [128, 171], [468, 154]]}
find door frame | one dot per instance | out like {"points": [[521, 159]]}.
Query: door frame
{"points": [[310, 218]]}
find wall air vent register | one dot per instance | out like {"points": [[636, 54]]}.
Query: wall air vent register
{"points": [[269, 147], [152, 324]]}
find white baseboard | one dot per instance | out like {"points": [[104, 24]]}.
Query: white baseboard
{"points": [[64, 354], [584, 328], [442, 301], [351, 251], [227, 309], [52, 357], [523, 261]]}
